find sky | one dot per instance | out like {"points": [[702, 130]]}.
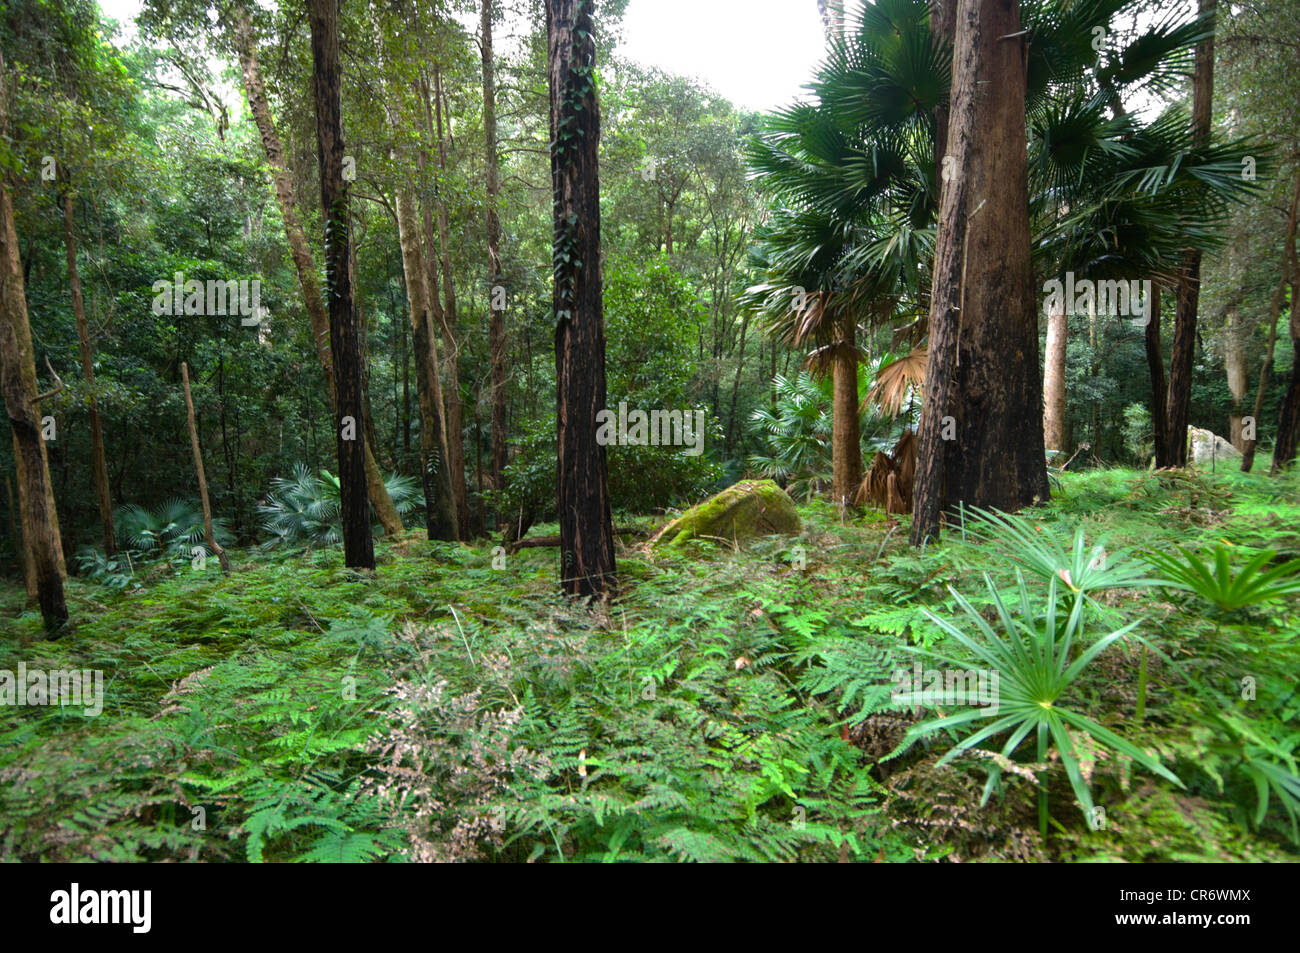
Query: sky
{"points": [[756, 53]]}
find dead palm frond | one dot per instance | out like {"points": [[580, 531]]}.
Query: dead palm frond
{"points": [[888, 484], [897, 382]]}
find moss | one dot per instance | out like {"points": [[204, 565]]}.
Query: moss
{"points": [[748, 509]]}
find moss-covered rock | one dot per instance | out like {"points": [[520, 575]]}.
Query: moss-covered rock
{"points": [[740, 512]]}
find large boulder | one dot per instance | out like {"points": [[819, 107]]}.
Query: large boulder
{"points": [[1208, 448], [740, 512]]}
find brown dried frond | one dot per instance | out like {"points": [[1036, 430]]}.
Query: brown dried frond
{"points": [[888, 483], [896, 381]]}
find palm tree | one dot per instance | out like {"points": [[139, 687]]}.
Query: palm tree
{"points": [[855, 179]]}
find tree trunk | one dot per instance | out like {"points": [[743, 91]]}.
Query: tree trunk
{"points": [[732, 433], [1054, 408], [436, 322], [496, 316], [208, 536], [455, 417], [1159, 390], [43, 548], [943, 21], [846, 435], [1182, 359], [99, 464], [1275, 310], [1234, 365], [586, 529], [983, 383], [439, 505], [303, 260], [1288, 418], [358, 547]]}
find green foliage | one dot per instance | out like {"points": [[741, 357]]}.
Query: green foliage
{"points": [[1032, 655], [1139, 438], [732, 706], [797, 433], [1076, 571], [305, 508], [1218, 584], [169, 531]]}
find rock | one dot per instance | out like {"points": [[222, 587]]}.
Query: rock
{"points": [[740, 512], [1207, 447]]}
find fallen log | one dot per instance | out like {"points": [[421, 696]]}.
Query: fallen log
{"points": [[539, 541]]}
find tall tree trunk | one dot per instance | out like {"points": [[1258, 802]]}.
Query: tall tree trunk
{"points": [[208, 536], [943, 21], [1288, 417], [586, 529], [436, 322], [496, 316], [1182, 359], [735, 384], [99, 463], [303, 261], [1054, 364], [1234, 365], [358, 547], [455, 413], [1274, 311], [1159, 390], [846, 434], [439, 505], [44, 549], [982, 372]]}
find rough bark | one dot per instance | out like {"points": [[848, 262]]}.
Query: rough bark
{"points": [[982, 370], [846, 436], [439, 506], [496, 316], [303, 261], [99, 463], [358, 547], [1274, 312], [44, 549], [208, 536], [1054, 364], [1182, 358], [943, 20], [586, 530]]}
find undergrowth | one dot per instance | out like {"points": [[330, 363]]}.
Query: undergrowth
{"points": [[731, 705]]}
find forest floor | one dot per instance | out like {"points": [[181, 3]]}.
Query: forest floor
{"points": [[732, 704]]}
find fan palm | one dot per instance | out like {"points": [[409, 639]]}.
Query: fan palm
{"points": [[304, 508], [855, 181]]}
